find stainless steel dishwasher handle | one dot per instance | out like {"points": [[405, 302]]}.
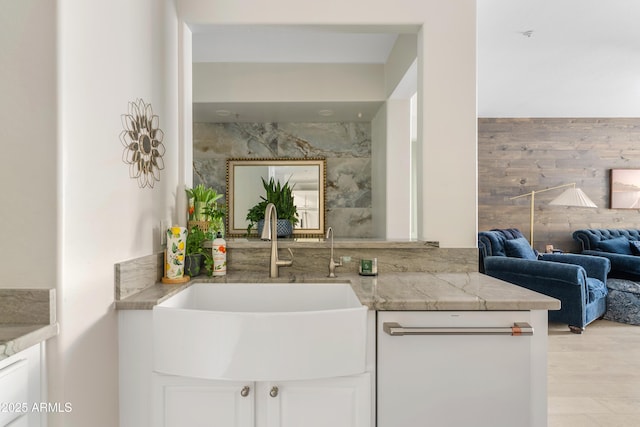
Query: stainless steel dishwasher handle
{"points": [[518, 329]]}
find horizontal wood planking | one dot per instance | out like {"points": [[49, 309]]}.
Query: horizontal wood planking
{"points": [[517, 156]]}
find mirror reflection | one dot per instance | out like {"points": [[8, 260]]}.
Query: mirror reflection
{"points": [[330, 103], [306, 177]]}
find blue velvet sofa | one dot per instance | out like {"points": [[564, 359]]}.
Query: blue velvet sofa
{"points": [[578, 281], [620, 246]]}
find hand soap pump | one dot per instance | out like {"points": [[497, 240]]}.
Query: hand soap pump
{"points": [[219, 256]]}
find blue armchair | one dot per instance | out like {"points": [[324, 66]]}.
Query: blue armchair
{"points": [[578, 281]]}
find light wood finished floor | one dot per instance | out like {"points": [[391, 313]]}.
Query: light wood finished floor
{"points": [[594, 378]]}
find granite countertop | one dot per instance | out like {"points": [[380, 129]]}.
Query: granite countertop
{"points": [[27, 317], [387, 291], [313, 242]]}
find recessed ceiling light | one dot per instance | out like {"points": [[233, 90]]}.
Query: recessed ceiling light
{"points": [[223, 113], [326, 113]]}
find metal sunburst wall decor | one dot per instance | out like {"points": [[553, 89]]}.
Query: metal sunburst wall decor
{"points": [[142, 140]]}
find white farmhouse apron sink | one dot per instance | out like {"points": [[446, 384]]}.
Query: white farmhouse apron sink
{"points": [[260, 332]]}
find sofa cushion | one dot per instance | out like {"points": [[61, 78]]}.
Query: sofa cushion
{"points": [[596, 289], [519, 248], [618, 245]]}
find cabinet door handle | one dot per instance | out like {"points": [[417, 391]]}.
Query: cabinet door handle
{"points": [[518, 329], [274, 391], [245, 391]]}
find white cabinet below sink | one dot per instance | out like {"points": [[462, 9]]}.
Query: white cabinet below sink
{"points": [[192, 402], [152, 399]]}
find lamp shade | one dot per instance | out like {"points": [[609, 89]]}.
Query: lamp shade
{"points": [[573, 197]]}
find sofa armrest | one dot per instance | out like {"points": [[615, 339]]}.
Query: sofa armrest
{"points": [[585, 237], [596, 267], [518, 270], [628, 265]]}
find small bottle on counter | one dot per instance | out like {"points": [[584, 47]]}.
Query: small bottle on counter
{"points": [[219, 252], [368, 267]]}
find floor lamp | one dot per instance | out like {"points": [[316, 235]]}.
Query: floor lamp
{"points": [[570, 197]]}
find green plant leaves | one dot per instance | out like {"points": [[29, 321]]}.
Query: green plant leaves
{"points": [[200, 193], [281, 195], [195, 241]]}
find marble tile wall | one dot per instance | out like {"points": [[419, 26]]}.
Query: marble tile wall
{"points": [[346, 146], [311, 260]]}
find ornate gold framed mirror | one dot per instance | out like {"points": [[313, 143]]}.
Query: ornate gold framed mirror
{"points": [[306, 176]]}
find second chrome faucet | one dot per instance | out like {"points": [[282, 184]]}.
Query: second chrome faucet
{"points": [[332, 263]]}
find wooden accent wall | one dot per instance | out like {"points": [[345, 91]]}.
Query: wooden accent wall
{"points": [[516, 156]]}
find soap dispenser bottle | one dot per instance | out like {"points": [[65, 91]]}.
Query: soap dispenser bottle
{"points": [[219, 255]]}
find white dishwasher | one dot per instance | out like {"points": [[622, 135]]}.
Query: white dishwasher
{"points": [[457, 369]]}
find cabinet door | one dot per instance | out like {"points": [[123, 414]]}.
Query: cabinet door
{"points": [[14, 392], [190, 402], [23, 421], [461, 378], [334, 402]]}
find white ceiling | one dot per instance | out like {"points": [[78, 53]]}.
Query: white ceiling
{"points": [[581, 59], [536, 58]]}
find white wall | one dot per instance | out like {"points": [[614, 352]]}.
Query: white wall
{"points": [[391, 170], [379, 173], [28, 142], [399, 169], [447, 91], [401, 58], [110, 53], [258, 82], [447, 126], [400, 85]]}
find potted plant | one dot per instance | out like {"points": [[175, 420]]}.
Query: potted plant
{"points": [[216, 213], [194, 251], [202, 198], [281, 195]]}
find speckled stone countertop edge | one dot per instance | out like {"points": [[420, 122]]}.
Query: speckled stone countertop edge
{"points": [[386, 292], [15, 338], [28, 317]]}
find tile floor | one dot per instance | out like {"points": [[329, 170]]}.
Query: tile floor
{"points": [[594, 378]]}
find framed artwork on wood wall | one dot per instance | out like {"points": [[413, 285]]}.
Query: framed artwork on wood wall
{"points": [[625, 189]]}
